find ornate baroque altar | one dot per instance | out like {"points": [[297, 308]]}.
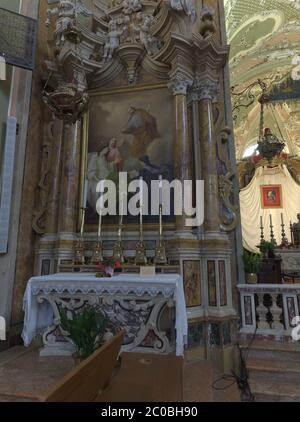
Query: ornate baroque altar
{"points": [[142, 86], [141, 306]]}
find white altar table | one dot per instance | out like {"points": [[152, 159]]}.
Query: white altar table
{"points": [[131, 302]]}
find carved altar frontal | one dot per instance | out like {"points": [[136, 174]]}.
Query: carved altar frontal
{"points": [[143, 307]]}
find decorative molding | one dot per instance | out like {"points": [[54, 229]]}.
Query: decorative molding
{"points": [[205, 90], [226, 175], [7, 175], [180, 84]]}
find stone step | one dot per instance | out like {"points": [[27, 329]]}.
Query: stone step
{"points": [[274, 370], [272, 391], [272, 351]]}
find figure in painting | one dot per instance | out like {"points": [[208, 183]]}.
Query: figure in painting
{"points": [[143, 126], [100, 166]]}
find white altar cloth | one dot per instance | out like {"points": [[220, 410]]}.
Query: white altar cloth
{"points": [[38, 316]]}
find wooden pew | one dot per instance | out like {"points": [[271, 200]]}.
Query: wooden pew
{"points": [[85, 382], [150, 378]]}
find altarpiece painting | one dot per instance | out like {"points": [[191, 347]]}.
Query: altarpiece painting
{"points": [[132, 132]]}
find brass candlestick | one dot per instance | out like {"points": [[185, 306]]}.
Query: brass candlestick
{"points": [[79, 252], [273, 240], [284, 240], [118, 249], [160, 251], [140, 252], [97, 257], [262, 236]]}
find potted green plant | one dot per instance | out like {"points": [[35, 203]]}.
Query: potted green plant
{"points": [[86, 329], [252, 264], [267, 249]]}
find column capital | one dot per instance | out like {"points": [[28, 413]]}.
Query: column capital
{"points": [[205, 89], [180, 83]]}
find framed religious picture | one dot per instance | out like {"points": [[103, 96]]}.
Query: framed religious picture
{"points": [[271, 196], [128, 131], [192, 283]]}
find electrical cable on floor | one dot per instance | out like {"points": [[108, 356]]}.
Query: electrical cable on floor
{"points": [[241, 380]]}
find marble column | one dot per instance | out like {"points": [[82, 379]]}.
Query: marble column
{"points": [[70, 179], [55, 176], [183, 144], [207, 94]]}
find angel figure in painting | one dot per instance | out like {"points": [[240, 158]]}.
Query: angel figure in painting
{"points": [[66, 12], [101, 166]]}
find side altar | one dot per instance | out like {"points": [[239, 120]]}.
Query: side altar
{"points": [[151, 310]]}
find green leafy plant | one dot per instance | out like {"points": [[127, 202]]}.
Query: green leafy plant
{"points": [[252, 262], [267, 249], [86, 329]]}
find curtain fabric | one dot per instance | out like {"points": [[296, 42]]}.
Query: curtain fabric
{"points": [[251, 206]]}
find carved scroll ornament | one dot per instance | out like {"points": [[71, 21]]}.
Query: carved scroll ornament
{"points": [[226, 176]]}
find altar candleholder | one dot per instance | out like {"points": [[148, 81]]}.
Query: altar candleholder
{"points": [[118, 249], [160, 251], [79, 253], [97, 256], [273, 240], [140, 251], [262, 236], [79, 250]]}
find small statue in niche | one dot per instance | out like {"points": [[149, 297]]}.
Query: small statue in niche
{"points": [[112, 40], [207, 25], [131, 6], [66, 12], [151, 43]]}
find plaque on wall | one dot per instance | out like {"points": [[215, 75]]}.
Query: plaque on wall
{"points": [[17, 39]]}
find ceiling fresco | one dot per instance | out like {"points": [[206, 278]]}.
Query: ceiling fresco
{"points": [[265, 44]]}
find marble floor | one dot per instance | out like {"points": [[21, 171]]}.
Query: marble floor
{"points": [[25, 376]]}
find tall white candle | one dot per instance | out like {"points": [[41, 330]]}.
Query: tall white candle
{"points": [[281, 218], [100, 224], [160, 190], [271, 222], [141, 193], [101, 202], [261, 221], [85, 194]]}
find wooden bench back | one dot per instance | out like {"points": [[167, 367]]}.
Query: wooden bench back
{"points": [[85, 382]]}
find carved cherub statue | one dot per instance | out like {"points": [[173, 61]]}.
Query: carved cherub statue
{"points": [[66, 12], [187, 5], [112, 40], [151, 43], [207, 25], [131, 6]]}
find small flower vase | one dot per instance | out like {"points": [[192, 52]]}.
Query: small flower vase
{"points": [[109, 271]]}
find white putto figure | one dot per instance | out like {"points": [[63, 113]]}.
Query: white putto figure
{"points": [[131, 6], [187, 5], [112, 40], [66, 12]]}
